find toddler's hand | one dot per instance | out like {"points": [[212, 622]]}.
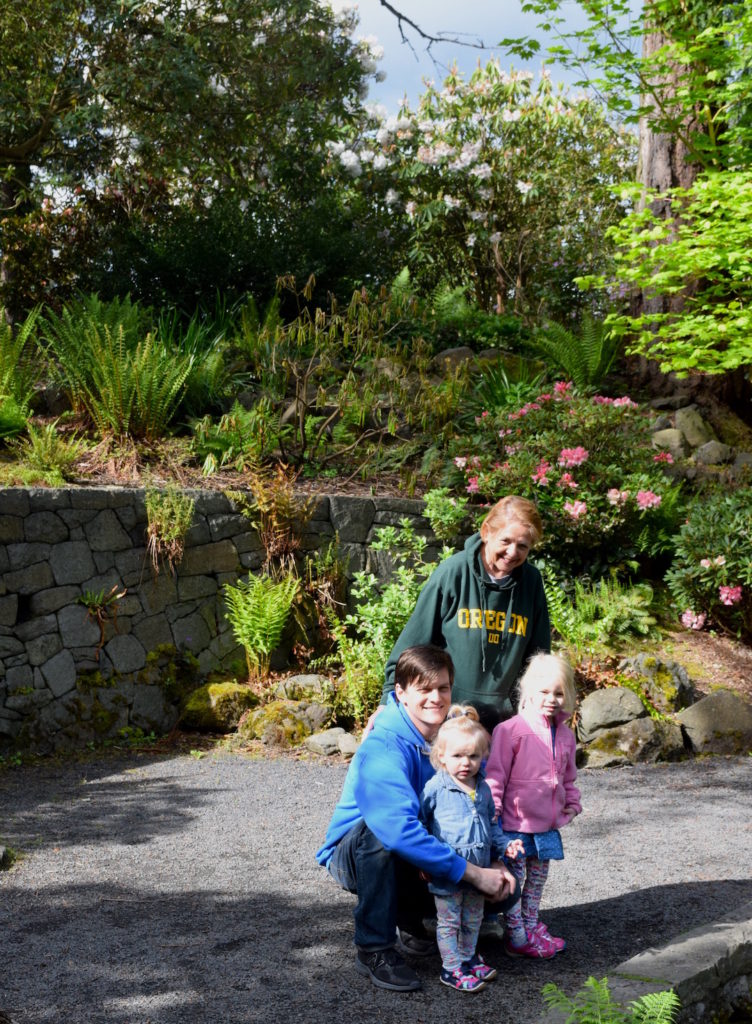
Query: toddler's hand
{"points": [[514, 849], [424, 876]]}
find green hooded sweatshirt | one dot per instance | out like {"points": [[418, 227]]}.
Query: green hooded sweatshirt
{"points": [[489, 627]]}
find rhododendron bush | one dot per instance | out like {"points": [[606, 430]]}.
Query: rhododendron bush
{"points": [[589, 465], [711, 577]]}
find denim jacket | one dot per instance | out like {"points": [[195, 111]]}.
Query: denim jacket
{"points": [[469, 826]]}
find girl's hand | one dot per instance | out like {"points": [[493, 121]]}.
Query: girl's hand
{"points": [[514, 849], [371, 720]]}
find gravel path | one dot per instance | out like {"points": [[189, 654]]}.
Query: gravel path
{"points": [[177, 890]]}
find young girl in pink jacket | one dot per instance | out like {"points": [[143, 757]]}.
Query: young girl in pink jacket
{"points": [[531, 772]]}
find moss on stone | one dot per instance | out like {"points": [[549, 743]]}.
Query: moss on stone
{"points": [[279, 723], [217, 707]]}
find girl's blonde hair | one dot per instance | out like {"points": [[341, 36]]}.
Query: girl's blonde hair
{"points": [[542, 669], [461, 720]]}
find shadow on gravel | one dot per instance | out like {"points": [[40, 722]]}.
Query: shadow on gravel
{"points": [[96, 954]]}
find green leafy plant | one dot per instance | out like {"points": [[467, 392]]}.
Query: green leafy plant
{"points": [[497, 388], [584, 358], [257, 610], [445, 513], [169, 515], [710, 578], [18, 370], [240, 439], [12, 416], [276, 512], [101, 607], [366, 637], [49, 452], [593, 1004]]}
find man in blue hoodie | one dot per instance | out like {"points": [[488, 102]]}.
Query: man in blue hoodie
{"points": [[376, 845]]}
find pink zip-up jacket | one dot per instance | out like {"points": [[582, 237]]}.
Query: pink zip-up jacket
{"points": [[533, 790]]}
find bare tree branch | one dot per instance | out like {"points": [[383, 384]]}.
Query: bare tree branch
{"points": [[427, 37]]}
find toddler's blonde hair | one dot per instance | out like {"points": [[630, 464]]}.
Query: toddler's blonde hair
{"points": [[541, 669], [461, 719]]}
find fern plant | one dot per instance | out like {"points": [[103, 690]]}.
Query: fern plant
{"points": [[593, 1004], [17, 363], [257, 610], [52, 454], [169, 515], [584, 359]]}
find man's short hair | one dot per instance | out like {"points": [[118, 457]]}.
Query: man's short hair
{"points": [[422, 664]]}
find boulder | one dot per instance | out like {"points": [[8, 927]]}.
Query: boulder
{"points": [[665, 683], [217, 707], [671, 440], [641, 741], [300, 686], [348, 744], [326, 742], [713, 453], [694, 428], [604, 709], [281, 723], [452, 358], [720, 723]]}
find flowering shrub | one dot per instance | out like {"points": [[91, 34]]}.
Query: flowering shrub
{"points": [[588, 464], [711, 576]]}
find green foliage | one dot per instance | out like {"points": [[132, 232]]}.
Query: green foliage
{"points": [[18, 370], [12, 416], [127, 384], [585, 359], [366, 637], [702, 252], [169, 515], [593, 1004], [496, 388], [276, 512], [240, 439], [711, 575], [257, 610], [445, 513], [50, 453]]}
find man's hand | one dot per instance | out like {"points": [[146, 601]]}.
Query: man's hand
{"points": [[495, 882]]}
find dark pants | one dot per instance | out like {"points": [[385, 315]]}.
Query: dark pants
{"points": [[390, 891]]}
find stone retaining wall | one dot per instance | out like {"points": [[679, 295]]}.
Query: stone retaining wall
{"points": [[60, 685]]}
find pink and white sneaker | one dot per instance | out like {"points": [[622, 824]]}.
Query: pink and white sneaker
{"points": [[537, 947], [559, 944]]}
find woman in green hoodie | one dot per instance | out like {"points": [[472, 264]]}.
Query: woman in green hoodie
{"points": [[486, 606]]}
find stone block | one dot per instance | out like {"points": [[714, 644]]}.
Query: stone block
{"points": [[32, 628], [60, 673], [158, 594], [14, 501], [105, 533], [75, 518], [247, 541], [192, 587], [220, 556], [153, 631], [352, 518], [21, 677], [672, 440], [179, 611], [21, 555], [11, 529], [665, 683], [103, 560], [8, 610], [326, 742], [151, 711], [604, 709], [133, 566], [126, 653], [71, 562], [197, 535], [713, 453], [76, 628], [191, 633], [49, 499], [209, 503], [52, 600], [10, 647], [91, 498], [252, 560], [227, 525], [720, 723], [641, 741], [46, 527], [42, 648]]}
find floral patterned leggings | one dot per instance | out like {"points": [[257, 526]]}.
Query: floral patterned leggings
{"points": [[531, 873], [458, 920]]}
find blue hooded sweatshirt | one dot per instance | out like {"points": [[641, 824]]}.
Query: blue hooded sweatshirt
{"points": [[383, 786]]}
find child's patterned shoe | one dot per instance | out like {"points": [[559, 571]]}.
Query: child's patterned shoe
{"points": [[537, 947], [479, 968], [461, 981], [559, 944]]}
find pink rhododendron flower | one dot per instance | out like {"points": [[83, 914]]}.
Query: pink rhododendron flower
{"points": [[664, 457], [730, 595], [562, 388], [567, 480], [708, 563], [691, 621], [545, 398], [602, 400], [625, 401], [539, 476], [460, 462], [503, 433], [575, 508], [647, 499], [616, 497], [573, 456], [472, 485]]}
